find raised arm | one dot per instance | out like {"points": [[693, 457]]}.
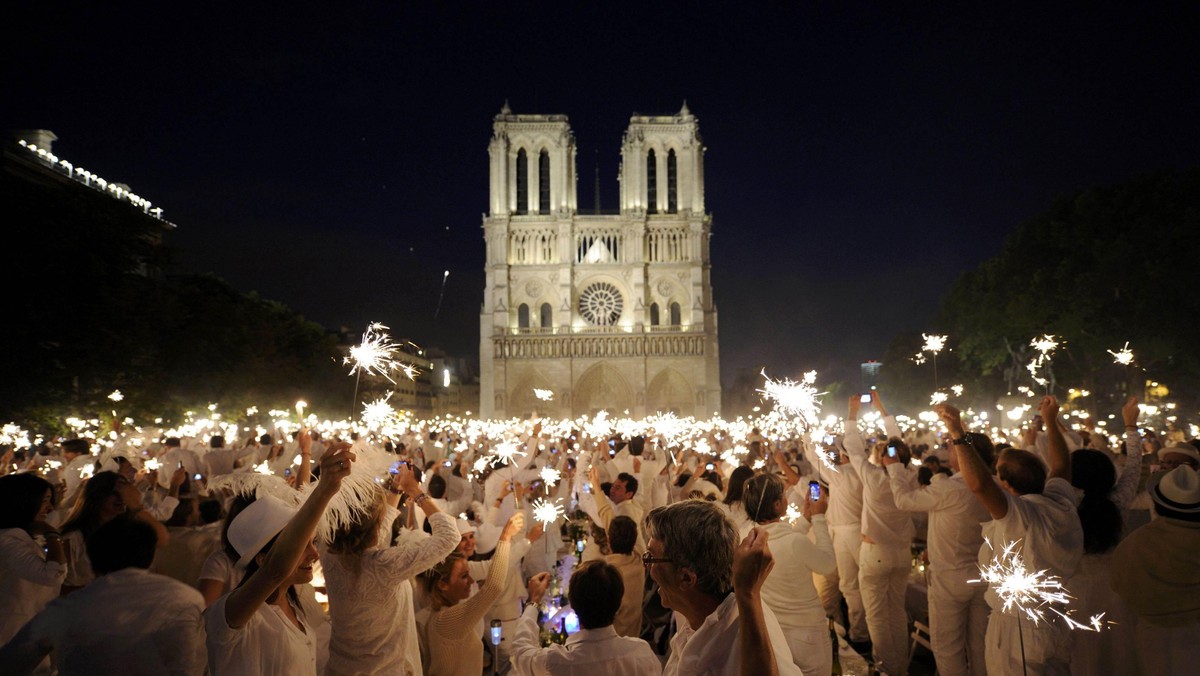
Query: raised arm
{"points": [[1057, 456], [527, 655], [462, 616], [752, 562], [852, 441], [974, 470], [290, 544]]}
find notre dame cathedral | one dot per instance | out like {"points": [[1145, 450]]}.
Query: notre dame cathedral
{"points": [[608, 312]]}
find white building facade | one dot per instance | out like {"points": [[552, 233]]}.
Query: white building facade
{"points": [[608, 312]]}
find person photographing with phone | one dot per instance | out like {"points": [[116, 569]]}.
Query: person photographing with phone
{"points": [[885, 556], [789, 590]]}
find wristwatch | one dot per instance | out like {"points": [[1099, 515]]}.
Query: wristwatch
{"points": [[964, 440]]}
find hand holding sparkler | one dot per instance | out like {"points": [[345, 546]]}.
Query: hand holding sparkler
{"points": [[537, 586], [516, 522], [1130, 412]]}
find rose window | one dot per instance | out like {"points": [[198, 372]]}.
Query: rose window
{"points": [[600, 304]]}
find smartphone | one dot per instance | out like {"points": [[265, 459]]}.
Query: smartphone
{"points": [[864, 398], [891, 451], [814, 491], [612, 443], [395, 467], [287, 472], [710, 467], [198, 476], [446, 464]]}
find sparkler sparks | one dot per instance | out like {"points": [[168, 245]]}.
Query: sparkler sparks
{"points": [[547, 512], [151, 465], [1124, 356], [116, 395], [793, 514], [919, 358], [937, 398], [957, 390], [506, 452], [1030, 593], [1047, 344], [263, 468], [550, 476], [379, 412], [86, 471], [544, 395], [375, 355], [794, 398], [933, 343]]}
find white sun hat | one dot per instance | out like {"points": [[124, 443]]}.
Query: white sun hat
{"points": [[257, 525], [1177, 490]]}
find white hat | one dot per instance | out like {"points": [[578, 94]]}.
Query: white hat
{"points": [[1182, 449], [465, 526], [257, 525], [1177, 490]]}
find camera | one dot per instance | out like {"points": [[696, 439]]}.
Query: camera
{"points": [[814, 491]]}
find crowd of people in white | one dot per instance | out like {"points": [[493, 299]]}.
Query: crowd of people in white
{"points": [[684, 562]]}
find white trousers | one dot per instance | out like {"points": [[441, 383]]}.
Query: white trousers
{"points": [[846, 543], [812, 649], [1167, 650], [958, 617], [1044, 648], [883, 579]]}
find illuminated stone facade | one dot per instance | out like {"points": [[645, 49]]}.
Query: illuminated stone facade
{"points": [[609, 312]]}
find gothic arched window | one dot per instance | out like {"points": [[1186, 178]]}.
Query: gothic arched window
{"points": [[522, 182], [547, 316], [544, 182], [523, 316], [676, 315], [651, 183], [654, 319], [672, 184]]}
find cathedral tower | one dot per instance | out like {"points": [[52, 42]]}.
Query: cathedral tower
{"points": [[609, 312]]}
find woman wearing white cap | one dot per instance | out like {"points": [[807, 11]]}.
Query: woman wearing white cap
{"points": [[259, 628]]}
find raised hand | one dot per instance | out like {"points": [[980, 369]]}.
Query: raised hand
{"points": [[1130, 412], [537, 586], [515, 523], [752, 562]]}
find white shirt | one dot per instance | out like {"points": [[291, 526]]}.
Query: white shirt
{"points": [[882, 521], [267, 644], [371, 607], [219, 567], [845, 492], [27, 580], [789, 590], [79, 566], [714, 647], [589, 651], [955, 515], [1047, 526], [126, 623]]}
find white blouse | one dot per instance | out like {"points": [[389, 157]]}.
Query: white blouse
{"points": [[268, 645], [27, 580]]}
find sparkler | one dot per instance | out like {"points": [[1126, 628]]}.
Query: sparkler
{"points": [[506, 452], [116, 395], [1124, 356], [957, 390], [937, 398], [1045, 345], [547, 512], [263, 468], [1025, 592], [375, 355], [151, 465], [544, 395], [300, 406], [86, 471], [445, 276], [934, 344], [550, 475], [797, 399], [379, 412]]}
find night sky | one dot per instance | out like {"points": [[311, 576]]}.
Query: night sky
{"points": [[860, 157]]}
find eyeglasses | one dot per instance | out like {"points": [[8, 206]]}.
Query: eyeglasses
{"points": [[647, 560]]}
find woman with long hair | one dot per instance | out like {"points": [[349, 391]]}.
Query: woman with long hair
{"points": [[370, 595], [733, 505], [450, 639], [261, 627], [789, 590], [105, 496], [30, 575]]}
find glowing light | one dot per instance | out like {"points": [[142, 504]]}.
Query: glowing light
{"points": [[957, 390], [793, 514], [263, 468], [1123, 356], [86, 471], [379, 413], [547, 512], [937, 398], [550, 476], [300, 406], [933, 343], [116, 395], [152, 465], [1029, 593], [758, 464], [252, 410], [919, 358], [375, 355], [793, 398], [544, 395], [1047, 344], [506, 452]]}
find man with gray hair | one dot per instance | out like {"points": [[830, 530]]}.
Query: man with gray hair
{"points": [[690, 555]]}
